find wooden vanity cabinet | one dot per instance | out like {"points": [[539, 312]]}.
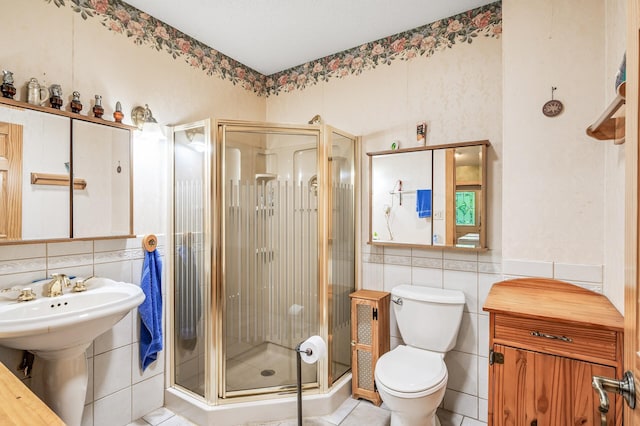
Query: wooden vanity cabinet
{"points": [[369, 340], [547, 338]]}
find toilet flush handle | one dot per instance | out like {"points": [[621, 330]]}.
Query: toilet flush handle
{"points": [[397, 300]]}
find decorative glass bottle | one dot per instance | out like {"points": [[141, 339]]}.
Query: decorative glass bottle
{"points": [[97, 108]]}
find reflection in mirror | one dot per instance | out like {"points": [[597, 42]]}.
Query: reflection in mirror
{"points": [[401, 198], [439, 197], [101, 158], [34, 162], [464, 201], [453, 179]]}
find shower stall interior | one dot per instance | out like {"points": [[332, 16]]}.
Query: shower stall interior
{"points": [[264, 256]]}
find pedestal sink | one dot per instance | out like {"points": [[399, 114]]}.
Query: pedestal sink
{"points": [[60, 329]]}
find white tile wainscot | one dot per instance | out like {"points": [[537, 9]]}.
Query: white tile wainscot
{"points": [[118, 392]]}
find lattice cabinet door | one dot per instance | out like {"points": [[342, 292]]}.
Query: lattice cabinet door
{"points": [[369, 340]]}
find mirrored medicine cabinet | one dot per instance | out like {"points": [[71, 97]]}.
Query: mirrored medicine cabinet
{"points": [[431, 196], [40, 148]]}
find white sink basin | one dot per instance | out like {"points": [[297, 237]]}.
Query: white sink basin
{"points": [[55, 323], [60, 329]]}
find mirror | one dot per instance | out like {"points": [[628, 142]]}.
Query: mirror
{"points": [[35, 165], [102, 180], [33, 143], [429, 196], [398, 184]]}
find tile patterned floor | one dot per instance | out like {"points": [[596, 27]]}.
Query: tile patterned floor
{"points": [[351, 413]]}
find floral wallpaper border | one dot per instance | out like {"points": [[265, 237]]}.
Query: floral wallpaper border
{"points": [[144, 29], [422, 41]]}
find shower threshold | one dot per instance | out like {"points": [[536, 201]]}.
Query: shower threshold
{"points": [[266, 408]]}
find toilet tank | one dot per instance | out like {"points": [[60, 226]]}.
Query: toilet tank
{"points": [[428, 318]]}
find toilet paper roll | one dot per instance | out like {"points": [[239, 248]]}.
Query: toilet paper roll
{"points": [[317, 347]]}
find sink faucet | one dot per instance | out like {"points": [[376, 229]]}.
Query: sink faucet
{"points": [[55, 286]]}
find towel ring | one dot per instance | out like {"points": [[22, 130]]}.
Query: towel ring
{"points": [[150, 242]]}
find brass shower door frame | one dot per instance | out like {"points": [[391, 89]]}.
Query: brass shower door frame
{"points": [[327, 321], [209, 235]]}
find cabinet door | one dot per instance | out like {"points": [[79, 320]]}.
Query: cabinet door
{"points": [[102, 157], [364, 335], [10, 181], [532, 388]]}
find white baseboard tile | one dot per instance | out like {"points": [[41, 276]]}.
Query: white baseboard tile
{"points": [[527, 268], [575, 272]]}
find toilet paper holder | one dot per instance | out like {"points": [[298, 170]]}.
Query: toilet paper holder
{"points": [[308, 352]]}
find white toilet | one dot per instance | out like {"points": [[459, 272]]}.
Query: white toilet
{"points": [[412, 378]]}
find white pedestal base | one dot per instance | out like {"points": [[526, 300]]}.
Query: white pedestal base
{"points": [[65, 382]]}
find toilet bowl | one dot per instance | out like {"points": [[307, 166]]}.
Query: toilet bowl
{"points": [[412, 378], [411, 382]]}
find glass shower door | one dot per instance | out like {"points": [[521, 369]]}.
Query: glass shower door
{"points": [[269, 254]]}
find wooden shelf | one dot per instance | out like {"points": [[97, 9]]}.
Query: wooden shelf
{"points": [[608, 127], [63, 113]]}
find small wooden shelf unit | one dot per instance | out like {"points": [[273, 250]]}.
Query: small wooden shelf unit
{"points": [[369, 340]]}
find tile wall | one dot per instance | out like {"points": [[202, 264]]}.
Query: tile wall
{"points": [[118, 391], [474, 274]]}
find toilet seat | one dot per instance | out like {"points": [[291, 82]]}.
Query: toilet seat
{"points": [[410, 372]]}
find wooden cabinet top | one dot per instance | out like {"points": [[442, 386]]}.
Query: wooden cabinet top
{"points": [[369, 295], [19, 406], [555, 300]]}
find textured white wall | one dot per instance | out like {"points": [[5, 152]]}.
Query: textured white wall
{"points": [[553, 175]]}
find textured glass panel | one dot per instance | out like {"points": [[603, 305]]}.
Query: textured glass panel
{"points": [[364, 324], [189, 260], [342, 251], [365, 370], [271, 250]]}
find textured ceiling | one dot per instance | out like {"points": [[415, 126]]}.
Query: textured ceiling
{"points": [[274, 35]]}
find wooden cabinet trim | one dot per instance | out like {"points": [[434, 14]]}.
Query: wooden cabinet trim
{"points": [[589, 344]]}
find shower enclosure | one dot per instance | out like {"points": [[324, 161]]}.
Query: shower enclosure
{"points": [[264, 256]]}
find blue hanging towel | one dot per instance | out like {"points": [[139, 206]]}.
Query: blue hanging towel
{"points": [[423, 202], [151, 309]]}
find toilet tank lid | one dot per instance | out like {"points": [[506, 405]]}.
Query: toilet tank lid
{"points": [[428, 294]]}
